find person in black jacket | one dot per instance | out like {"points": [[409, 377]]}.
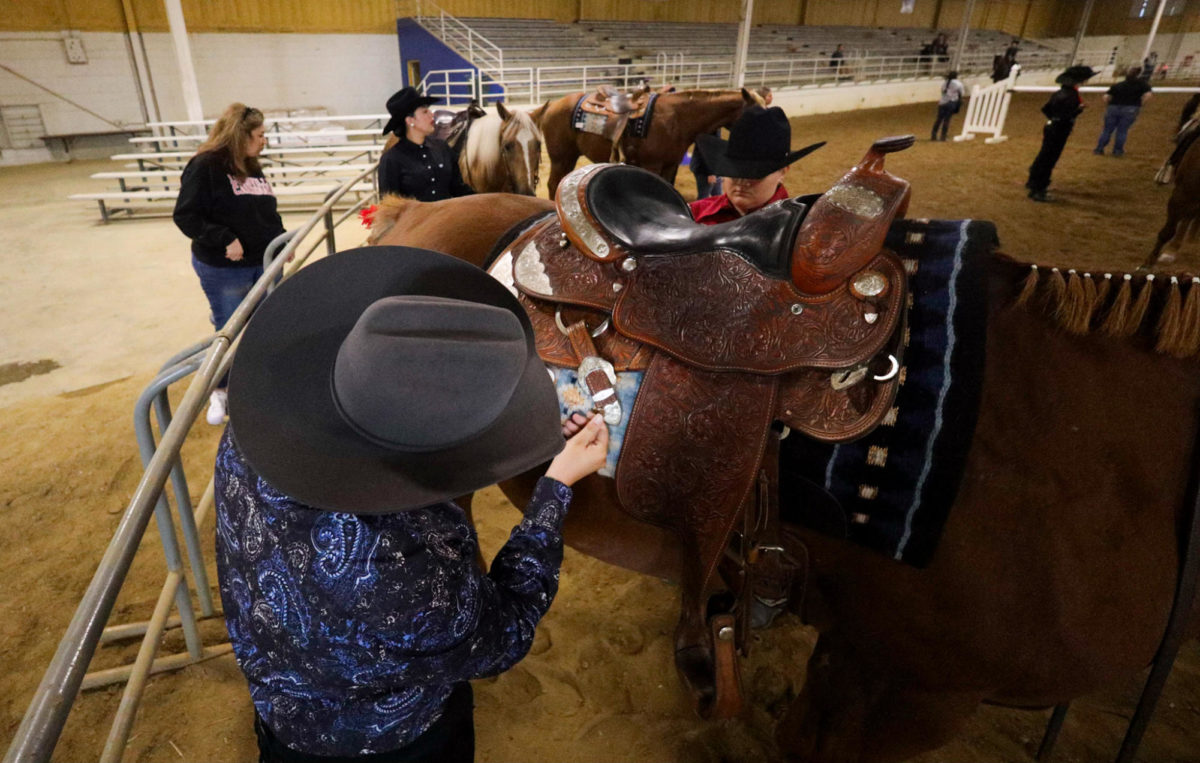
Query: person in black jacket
{"points": [[418, 166], [1062, 108], [228, 209]]}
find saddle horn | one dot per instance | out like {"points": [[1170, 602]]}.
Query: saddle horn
{"points": [[846, 227]]}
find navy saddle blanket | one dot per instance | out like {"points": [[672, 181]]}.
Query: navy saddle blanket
{"points": [[892, 490]]}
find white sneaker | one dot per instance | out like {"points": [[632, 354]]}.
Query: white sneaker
{"points": [[217, 403]]}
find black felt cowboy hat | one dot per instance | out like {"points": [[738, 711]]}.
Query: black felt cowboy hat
{"points": [[389, 378], [760, 142], [402, 104], [1075, 74]]}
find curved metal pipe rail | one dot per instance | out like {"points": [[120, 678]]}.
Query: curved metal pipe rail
{"points": [[47, 713]]}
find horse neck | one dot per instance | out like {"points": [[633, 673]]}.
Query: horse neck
{"points": [[707, 115]]}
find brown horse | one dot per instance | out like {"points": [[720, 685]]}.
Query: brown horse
{"points": [[1056, 569], [1183, 209], [501, 152], [677, 119]]}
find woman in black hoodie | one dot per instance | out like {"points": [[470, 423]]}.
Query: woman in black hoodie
{"points": [[228, 209]]}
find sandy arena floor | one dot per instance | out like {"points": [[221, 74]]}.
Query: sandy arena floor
{"points": [[90, 311]]}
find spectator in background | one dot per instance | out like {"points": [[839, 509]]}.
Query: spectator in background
{"points": [[1148, 65], [949, 104], [1125, 100], [836, 60], [1002, 64], [229, 211], [766, 94], [707, 184], [941, 47], [1062, 108]]}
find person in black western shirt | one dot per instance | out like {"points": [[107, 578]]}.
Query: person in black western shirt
{"points": [[1062, 108], [418, 166]]}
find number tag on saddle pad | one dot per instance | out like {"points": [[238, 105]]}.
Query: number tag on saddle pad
{"points": [[574, 397]]}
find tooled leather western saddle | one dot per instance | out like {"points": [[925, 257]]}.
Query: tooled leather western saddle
{"points": [[608, 112], [791, 315]]}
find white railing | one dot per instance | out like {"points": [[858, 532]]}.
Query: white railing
{"points": [[476, 48], [537, 84]]}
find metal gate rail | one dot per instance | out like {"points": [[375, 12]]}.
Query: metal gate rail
{"points": [[208, 360]]}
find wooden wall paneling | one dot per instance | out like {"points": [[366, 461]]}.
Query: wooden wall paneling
{"points": [[783, 12], [841, 12]]}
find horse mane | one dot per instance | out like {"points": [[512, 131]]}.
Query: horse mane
{"points": [[386, 215], [1116, 304], [481, 156]]}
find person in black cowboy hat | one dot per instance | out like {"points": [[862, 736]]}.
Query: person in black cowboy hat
{"points": [[352, 596], [418, 166], [1062, 108], [753, 162]]}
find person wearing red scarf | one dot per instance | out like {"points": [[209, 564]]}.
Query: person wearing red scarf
{"points": [[753, 162]]}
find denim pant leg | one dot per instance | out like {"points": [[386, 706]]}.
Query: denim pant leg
{"points": [[1125, 119], [225, 289], [703, 187], [1110, 124]]}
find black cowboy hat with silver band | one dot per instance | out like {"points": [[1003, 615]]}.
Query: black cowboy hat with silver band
{"points": [[401, 105], [389, 378], [760, 143]]}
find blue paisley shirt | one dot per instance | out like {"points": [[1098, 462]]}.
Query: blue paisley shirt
{"points": [[353, 629]]}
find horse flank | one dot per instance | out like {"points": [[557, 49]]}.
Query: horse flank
{"points": [[1119, 305]]}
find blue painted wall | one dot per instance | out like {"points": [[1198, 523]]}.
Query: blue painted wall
{"points": [[418, 44]]}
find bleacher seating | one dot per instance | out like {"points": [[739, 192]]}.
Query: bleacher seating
{"points": [[701, 55]]}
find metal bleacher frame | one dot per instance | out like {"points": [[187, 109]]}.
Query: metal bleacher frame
{"points": [[304, 164]]}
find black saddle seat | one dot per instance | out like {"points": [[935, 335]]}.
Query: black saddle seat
{"points": [[644, 214]]}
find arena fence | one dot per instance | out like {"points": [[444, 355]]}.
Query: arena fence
{"points": [[987, 107], [206, 361], [538, 84]]}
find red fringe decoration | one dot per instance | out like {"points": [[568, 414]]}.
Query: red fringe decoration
{"points": [[366, 215]]}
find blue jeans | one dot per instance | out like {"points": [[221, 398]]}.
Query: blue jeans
{"points": [[1118, 119], [225, 289]]}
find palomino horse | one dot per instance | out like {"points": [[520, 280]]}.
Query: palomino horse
{"points": [[1183, 209], [677, 119], [1056, 569], [501, 151]]}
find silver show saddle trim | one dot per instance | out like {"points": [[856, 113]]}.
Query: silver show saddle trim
{"points": [[573, 216], [856, 200], [502, 271], [531, 272], [605, 400]]}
